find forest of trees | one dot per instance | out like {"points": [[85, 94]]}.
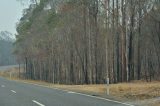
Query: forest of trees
{"points": [[6, 49], [88, 41]]}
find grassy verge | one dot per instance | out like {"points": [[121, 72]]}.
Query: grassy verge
{"points": [[134, 91], [13, 72]]}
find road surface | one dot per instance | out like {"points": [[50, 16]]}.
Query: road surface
{"points": [[14, 93], [5, 68]]}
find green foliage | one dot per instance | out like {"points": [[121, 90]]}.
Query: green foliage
{"points": [[52, 20], [24, 27]]}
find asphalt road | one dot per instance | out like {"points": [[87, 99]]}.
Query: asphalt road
{"points": [[14, 93], [4, 68]]}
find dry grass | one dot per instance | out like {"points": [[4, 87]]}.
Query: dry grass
{"points": [[133, 91], [136, 90], [157, 103], [141, 91], [13, 72]]}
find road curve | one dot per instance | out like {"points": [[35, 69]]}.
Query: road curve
{"points": [[5, 68], [14, 93]]}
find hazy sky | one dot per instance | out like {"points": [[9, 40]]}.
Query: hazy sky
{"points": [[10, 13]]}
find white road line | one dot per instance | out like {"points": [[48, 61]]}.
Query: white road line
{"points": [[71, 92], [55, 88], [98, 97], [37, 103], [127, 104], [13, 91], [103, 99], [2, 86]]}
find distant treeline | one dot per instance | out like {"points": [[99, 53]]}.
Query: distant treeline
{"points": [[6, 51], [88, 41]]}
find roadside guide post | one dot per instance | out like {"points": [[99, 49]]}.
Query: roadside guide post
{"points": [[10, 75], [107, 86]]}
